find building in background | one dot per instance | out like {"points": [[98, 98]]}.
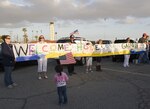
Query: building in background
{"points": [[52, 31]]}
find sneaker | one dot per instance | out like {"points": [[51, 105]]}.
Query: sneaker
{"points": [[46, 77], [14, 84], [10, 86], [91, 70], [39, 78]]}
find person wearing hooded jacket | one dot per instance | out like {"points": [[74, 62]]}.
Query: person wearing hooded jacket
{"points": [[8, 60]]}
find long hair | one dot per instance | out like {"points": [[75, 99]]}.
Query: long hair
{"points": [[59, 69], [100, 41], [41, 36], [144, 34]]}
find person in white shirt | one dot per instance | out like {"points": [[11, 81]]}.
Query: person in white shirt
{"points": [[89, 61], [42, 61], [127, 56]]}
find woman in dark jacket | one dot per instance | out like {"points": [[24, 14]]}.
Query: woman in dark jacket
{"points": [[8, 61]]}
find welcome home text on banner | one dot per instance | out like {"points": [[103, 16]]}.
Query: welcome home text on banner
{"points": [[31, 51]]}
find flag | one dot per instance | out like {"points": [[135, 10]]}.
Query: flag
{"points": [[74, 32], [69, 59]]}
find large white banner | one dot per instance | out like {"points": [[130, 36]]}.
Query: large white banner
{"points": [[33, 51]]}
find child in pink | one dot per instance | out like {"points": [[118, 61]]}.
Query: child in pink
{"points": [[61, 79]]}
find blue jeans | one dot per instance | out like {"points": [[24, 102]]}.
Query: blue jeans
{"points": [[145, 57], [141, 57], [7, 75], [62, 94]]}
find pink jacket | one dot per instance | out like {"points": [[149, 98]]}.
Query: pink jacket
{"points": [[61, 80]]}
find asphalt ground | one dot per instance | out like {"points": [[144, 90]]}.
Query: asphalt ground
{"points": [[115, 87]]}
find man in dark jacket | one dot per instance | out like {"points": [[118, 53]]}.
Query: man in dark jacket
{"points": [[8, 61], [142, 57], [71, 66]]}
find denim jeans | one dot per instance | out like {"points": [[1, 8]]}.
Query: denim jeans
{"points": [[62, 94], [145, 57], [140, 59], [7, 75]]}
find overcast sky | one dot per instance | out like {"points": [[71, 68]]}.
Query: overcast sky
{"points": [[95, 19]]}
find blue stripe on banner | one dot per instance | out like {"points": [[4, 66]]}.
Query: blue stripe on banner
{"points": [[27, 58], [136, 52]]}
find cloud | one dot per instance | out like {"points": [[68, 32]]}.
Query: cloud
{"points": [[6, 3], [128, 20], [42, 11], [15, 25]]}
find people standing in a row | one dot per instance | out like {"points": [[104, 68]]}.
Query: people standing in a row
{"points": [[8, 61], [98, 59], [126, 56], [42, 61]]}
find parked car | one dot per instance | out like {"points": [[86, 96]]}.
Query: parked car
{"points": [[67, 39], [107, 42], [149, 49], [79, 60], [1, 66], [121, 57], [103, 42]]}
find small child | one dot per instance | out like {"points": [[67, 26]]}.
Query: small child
{"points": [[61, 78]]}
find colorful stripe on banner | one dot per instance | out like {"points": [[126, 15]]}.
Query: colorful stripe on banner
{"points": [[69, 59], [136, 52], [27, 58]]}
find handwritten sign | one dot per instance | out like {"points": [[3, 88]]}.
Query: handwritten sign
{"points": [[24, 52]]}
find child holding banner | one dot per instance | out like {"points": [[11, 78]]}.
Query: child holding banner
{"points": [[42, 61]]}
